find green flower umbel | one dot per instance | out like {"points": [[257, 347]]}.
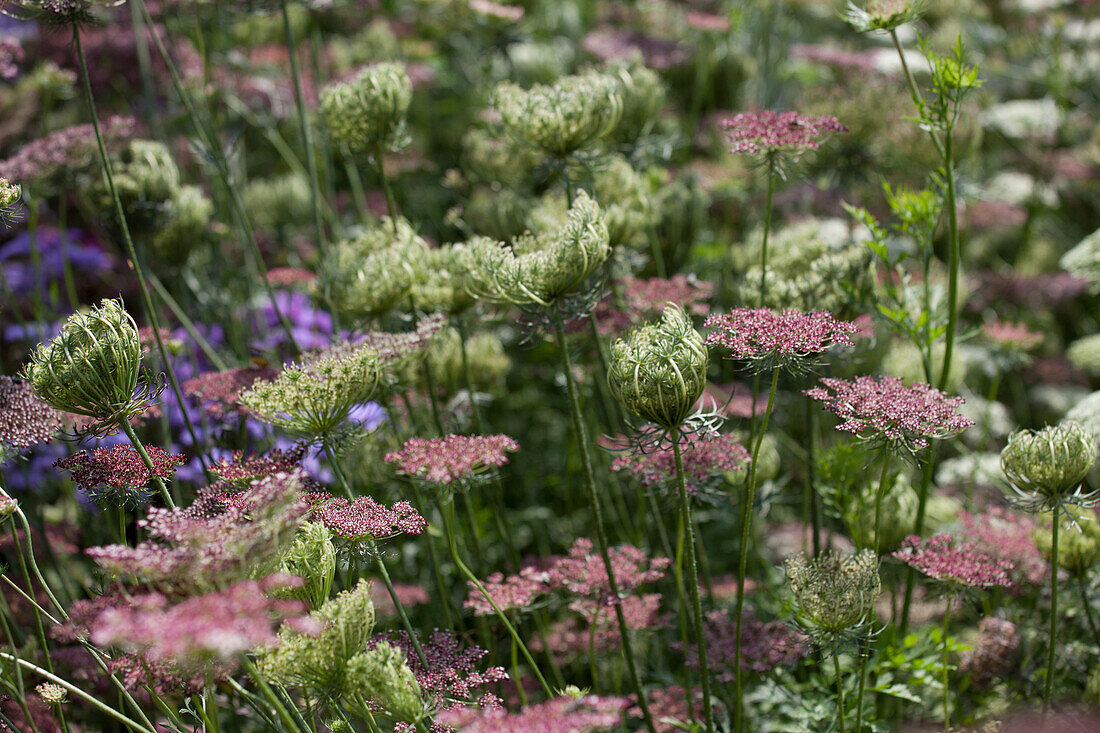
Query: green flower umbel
{"points": [[315, 397], [368, 111], [542, 268], [561, 118], [1047, 467], [659, 371], [834, 592], [93, 366]]}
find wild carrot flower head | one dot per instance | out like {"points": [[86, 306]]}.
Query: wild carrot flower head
{"points": [[1010, 536], [115, 477], [582, 572], [220, 391], [515, 592], [778, 136], [576, 714], [384, 684], [660, 369], [883, 15], [314, 398], [93, 366], [542, 268], [9, 200], [1047, 467], [706, 463], [368, 110], [364, 518], [562, 118], [834, 592], [204, 634], [955, 565], [764, 646], [25, 420], [311, 557], [1011, 336], [452, 460], [884, 409], [777, 340]]}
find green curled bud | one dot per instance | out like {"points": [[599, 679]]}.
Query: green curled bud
{"points": [[1046, 467], [834, 592], [315, 397], [368, 111], [381, 676], [560, 118], [312, 557], [541, 268], [92, 367], [658, 372]]}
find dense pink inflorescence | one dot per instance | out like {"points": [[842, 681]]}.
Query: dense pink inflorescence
{"points": [[884, 408], [586, 714], [764, 646], [509, 593], [25, 420], [1008, 536], [451, 673], [942, 559], [119, 468], [1012, 336], [705, 461], [207, 631], [597, 627], [669, 709], [452, 457], [767, 132], [70, 147], [783, 337], [635, 301], [582, 572], [220, 391], [365, 517]]}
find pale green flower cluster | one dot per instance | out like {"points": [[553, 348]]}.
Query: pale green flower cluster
{"points": [[368, 111], [1046, 467], [312, 557], [277, 202], [381, 679], [314, 398], [883, 15], [488, 361], [562, 118], [9, 194], [187, 215], [643, 97], [1084, 353], [1084, 260], [541, 268], [834, 592], [92, 367], [659, 371]]}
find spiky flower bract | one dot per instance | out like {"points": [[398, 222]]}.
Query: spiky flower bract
{"points": [[834, 592], [658, 372], [1048, 467], [883, 15], [368, 110]]}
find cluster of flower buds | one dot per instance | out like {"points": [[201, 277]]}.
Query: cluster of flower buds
{"points": [[884, 15], [368, 111], [834, 593], [9, 199], [1047, 467]]}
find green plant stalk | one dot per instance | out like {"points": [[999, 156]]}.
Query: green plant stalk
{"points": [[693, 582], [1088, 609], [742, 560], [811, 468], [946, 670], [377, 555], [447, 512], [954, 257], [380, 169], [140, 448], [106, 709], [39, 630], [269, 695], [839, 693], [151, 311], [1048, 683], [303, 122], [859, 697], [222, 168], [767, 231], [878, 497], [188, 325], [581, 435]]}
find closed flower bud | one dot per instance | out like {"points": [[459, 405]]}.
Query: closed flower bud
{"points": [[313, 558], [834, 592], [189, 212], [381, 677], [92, 367], [9, 199], [1046, 467], [561, 118], [659, 371], [369, 110]]}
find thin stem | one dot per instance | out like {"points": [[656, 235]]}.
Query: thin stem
{"points": [[862, 679], [878, 498], [581, 435], [811, 469], [269, 695], [953, 258], [767, 231], [1048, 685], [140, 448], [106, 709], [693, 582], [742, 560], [946, 672], [839, 693], [380, 169], [1088, 609], [922, 503]]}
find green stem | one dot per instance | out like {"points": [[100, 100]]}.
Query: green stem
{"points": [[1088, 609], [881, 492], [922, 503], [693, 583], [581, 435], [953, 258], [862, 679], [380, 169], [140, 448], [269, 695], [1048, 685], [946, 670], [811, 469], [839, 693], [742, 560], [767, 231]]}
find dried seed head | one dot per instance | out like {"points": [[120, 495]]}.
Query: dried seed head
{"points": [[834, 592]]}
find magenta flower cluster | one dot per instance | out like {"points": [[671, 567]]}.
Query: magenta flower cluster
{"points": [[883, 408], [962, 564], [764, 646], [452, 457], [780, 339], [704, 460], [365, 517], [119, 467], [1008, 536], [518, 591], [585, 714], [220, 392], [451, 673], [767, 132], [25, 420]]}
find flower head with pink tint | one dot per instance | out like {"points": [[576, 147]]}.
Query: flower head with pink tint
{"points": [[355, 521], [773, 134], [582, 572], [706, 462], [117, 476], [883, 409], [764, 646], [219, 392], [954, 564], [514, 592], [790, 340], [576, 714], [25, 420], [452, 462]]}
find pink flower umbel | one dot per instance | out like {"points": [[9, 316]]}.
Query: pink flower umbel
{"points": [[962, 564], [25, 420], [764, 646], [582, 572], [509, 593], [220, 391], [772, 340], [706, 461], [357, 520], [884, 409], [206, 633], [452, 458], [584, 714], [770, 133], [117, 476]]}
